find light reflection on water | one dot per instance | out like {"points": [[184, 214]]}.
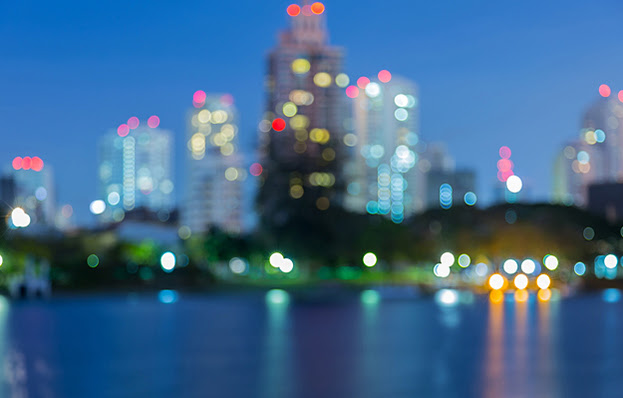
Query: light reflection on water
{"points": [[364, 345]]}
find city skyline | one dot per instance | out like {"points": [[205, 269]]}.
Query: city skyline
{"points": [[482, 102]]}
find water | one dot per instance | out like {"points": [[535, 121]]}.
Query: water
{"points": [[245, 346]]}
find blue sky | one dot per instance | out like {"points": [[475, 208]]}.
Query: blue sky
{"points": [[490, 73]]}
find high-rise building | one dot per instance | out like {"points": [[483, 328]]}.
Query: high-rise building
{"points": [[383, 173], [215, 168], [596, 156], [135, 169], [33, 189], [303, 128]]}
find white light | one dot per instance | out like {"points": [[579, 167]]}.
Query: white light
{"points": [[167, 261], [401, 114], [373, 90], [237, 266], [521, 281], [543, 281], [401, 100], [510, 266], [1, 261], [496, 281], [464, 260], [97, 207], [19, 218], [369, 259], [482, 269], [446, 297], [611, 261], [528, 266], [514, 184], [114, 198], [447, 258], [550, 262], [441, 270], [287, 265], [276, 259]]}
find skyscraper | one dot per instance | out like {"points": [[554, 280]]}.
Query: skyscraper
{"points": [[303, 127], [34, 189], [383, 173], [596, 156], [215, 168], [135, 163]]}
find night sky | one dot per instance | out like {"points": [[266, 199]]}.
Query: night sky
{"points": [[490, 73]]}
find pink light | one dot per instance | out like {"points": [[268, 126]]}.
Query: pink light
{"points": [[198, 104], [36, 163], [199, 97], [505, 165], [227, 100], [621, 95], [17, 163], [604, 90], [133, 122], [385, 76], [153, 121], [307, 10], [26, 163], [352, 91], [505, 152], [123, 130], [503, 175], [256, 169], [293, 10], [362, 82]]}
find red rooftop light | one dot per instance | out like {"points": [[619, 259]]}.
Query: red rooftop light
{"points": [[17, 163], [36, 163], [385, 76], [293, 10], [26, 163], [604, 90]]}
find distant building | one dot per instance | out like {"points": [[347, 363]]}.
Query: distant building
{"points": [[384, 177], [215, 167], [33, 189], [135, 169], [596, 156], [446, 186], [303, 128]]}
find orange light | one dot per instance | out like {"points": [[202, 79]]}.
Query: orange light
{"points": [[385, 76], [362, 82], [26, 162], [36, 163], [317, 8], [496, 296], [293, 10]]}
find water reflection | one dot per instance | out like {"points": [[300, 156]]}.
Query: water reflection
{"points": [[493, 383]]}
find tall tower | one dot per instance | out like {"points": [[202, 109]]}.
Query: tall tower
{"points": [[215, 169], [135, 164], [384, 177], [302, 129]]}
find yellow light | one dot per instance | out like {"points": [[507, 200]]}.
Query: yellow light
{"points": [[300, 66], [231, 174], [496, 281], [544, 294], [521, 296], [300, 135], [328, 154], [227, 149], [496, 296], [342, 80], [289, 109], [521, 281], [322, 79], [299, 122], [204, 116], [543, 281], [322, 203], [296, 191]]}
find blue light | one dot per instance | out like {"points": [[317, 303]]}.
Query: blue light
{"points": [[372, 207], [600, 135], [445, 196], [167, 296], [470, 198], [611, 295], [579, 268]]}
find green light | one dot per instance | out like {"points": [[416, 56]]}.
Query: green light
{"points": [[370, 297], [93, 261]]}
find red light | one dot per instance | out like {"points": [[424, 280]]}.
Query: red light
{"points": [[26, 163], [604, 90], [199, 96], [317, 8], [153, 121], [362, 82], [385, 76], [17, 163], [123, 130], [256, 169], [279, 124], [503, 175], [293, 10], [505, 152], [505, 165], [621, 95], [352, 91], [133, 122], [36, 163]]}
